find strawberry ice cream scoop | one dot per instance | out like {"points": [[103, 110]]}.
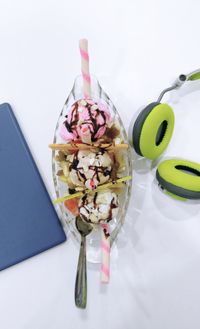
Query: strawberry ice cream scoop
{"points": [[86, 121]]}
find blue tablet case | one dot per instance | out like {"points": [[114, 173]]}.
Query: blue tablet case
{"points": [[28, 221]]}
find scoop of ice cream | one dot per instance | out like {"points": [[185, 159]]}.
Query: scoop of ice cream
{"points": [[89, 169], [98, 207], [86, 121]]}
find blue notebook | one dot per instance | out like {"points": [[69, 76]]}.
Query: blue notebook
{"points": [[28, 221]]}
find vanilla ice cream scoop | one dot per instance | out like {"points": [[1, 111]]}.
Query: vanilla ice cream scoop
{"points": [[98, 207], [89, 169]]}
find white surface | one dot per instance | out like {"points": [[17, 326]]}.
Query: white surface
{"points": [[136, 49]]}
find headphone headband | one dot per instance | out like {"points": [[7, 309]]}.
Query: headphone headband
{"points": [[195, 75]]}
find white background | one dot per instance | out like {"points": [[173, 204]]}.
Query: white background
{"points": [[136, 48]]}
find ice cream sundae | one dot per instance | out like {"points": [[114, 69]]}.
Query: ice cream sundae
{"points": [[91, 161]]}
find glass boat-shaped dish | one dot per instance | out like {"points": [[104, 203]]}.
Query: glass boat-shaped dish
{"points": [[67, 219]]}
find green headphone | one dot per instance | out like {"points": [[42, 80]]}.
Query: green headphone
{"points": [[151, 135]]}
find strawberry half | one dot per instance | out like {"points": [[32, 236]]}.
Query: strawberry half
{"points": [[72, 206]]}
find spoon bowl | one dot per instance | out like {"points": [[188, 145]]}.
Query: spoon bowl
{"points": [[83, 228]]}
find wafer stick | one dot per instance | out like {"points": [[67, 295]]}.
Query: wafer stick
{"points": [[83, 45], [79, 146], [105, 253], [99, 188]]}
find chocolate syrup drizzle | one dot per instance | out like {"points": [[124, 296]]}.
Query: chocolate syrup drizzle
{"points": [[92, 123]]}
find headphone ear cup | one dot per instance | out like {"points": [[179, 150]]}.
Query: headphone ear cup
{"points": [[180, 178], [152, 130], [137, 127]]}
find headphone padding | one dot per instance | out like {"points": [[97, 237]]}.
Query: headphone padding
{"points": [[137, 128], [180, 177], [157, 131]]}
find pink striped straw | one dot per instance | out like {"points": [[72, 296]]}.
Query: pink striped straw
{"points": [[105, 236], [105, 252], [83, 45]]}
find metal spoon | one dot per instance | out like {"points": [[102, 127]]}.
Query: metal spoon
{"points": [[81, 275]]}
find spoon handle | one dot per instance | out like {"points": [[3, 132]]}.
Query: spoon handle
{"points": [[81, 277]]}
